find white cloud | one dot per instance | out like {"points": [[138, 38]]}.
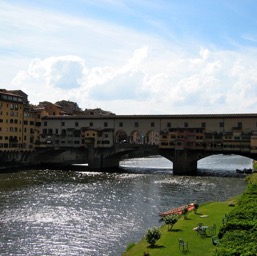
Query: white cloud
{"points": [[215, 84], [101, 64], [62, 71]]}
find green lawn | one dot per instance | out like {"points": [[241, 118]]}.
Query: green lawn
{"points": [[168, 243], [238, 232]]}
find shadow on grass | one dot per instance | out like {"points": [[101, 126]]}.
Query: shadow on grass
{"points": [[175, 230], [185, 252], [156, 246]]}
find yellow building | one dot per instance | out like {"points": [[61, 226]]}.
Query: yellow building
{"points": [[89, 137], [11, 121]]}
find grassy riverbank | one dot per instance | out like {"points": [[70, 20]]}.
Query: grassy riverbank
{"points": [[209, 214]]}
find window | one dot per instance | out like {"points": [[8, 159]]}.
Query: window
{"points": [[203, 124], [239, 125], [91, 124], [105, 124], [121, 124], [152, 124], [221, 124], [63, 123], [136, 124], [76, 124], [45, 123], [186, 124], [169, 124]]}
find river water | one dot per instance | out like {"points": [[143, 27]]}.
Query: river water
{"points": [[55, 212]]}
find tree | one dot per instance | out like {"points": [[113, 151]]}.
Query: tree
{"points": [[185, 212], [152, 236], [170, 220]]}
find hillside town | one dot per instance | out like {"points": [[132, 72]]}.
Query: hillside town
{"points": [[20, 121]]}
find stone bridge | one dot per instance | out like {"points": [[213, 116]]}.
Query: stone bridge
{"points": [[108, 159], [103, 141]]}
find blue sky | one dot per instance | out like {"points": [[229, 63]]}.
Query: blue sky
{"points": [[133, 57]]}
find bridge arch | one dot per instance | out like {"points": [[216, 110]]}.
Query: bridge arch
{"points": [[137, 137], [121, 137]]}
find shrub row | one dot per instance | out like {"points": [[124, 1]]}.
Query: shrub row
{"points": [[238, 236]]}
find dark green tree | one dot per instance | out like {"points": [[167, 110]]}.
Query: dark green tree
{"points": [[152, 236], [170, 220]]}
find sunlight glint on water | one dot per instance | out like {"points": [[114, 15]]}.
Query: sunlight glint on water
{"points": [[89, 213]]}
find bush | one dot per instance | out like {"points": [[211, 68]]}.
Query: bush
{"points": [[239, 234], [152, 236], [170, 220]]}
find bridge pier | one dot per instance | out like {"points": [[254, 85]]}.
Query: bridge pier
{"points": [[100, 159], [184, 162]]}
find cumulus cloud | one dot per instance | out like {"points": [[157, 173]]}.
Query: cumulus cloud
{"points": [[62, 71], [51, 78], [124, 82], [207, 82]]}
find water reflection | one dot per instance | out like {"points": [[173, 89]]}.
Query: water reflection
{"points": [[46, 212], [218, 165]]}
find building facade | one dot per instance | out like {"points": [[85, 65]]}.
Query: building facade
{"points": [[26, 127], [224, 132], [11, 121], [20, 123]]}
